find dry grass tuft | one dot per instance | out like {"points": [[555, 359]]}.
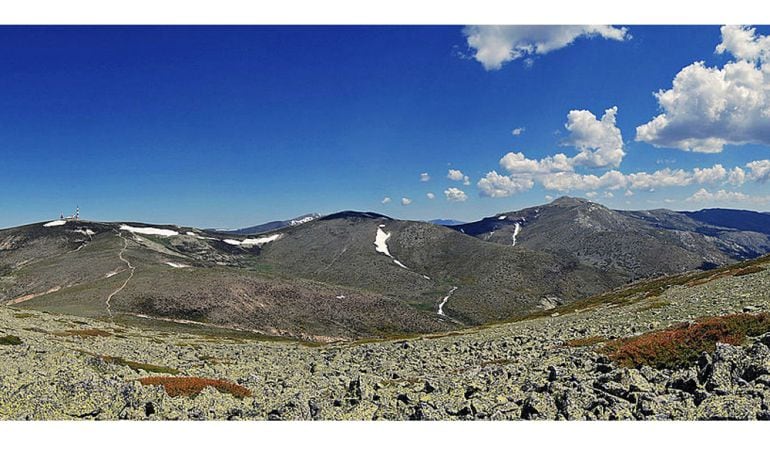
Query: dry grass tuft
{"points": [[88, 332]]}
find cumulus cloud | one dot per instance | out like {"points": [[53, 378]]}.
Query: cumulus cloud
{"points": [[571, 181], [495, 45], [659, 179], [599, 141], [386, 200], [430, 195], [710, 107], [703, 195], [495, 185], [424, 177], [455, 195], [518, 163], [518, 131], [759, 170], [406, 201], [457, 175]]}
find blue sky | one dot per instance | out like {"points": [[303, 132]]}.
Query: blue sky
{"points": [[232, 126]]}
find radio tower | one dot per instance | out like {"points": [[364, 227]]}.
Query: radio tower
{"points": [[77, 213]]}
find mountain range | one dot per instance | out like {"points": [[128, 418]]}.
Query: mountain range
{"points": [[354, 275]]}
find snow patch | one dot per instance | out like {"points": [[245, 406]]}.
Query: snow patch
{"points": [[149, 230], [340, 297], [380, 242], [261, 240], [251, 242], [502, 217], [176, 265], [55, 223], [444, 300], [296, 222], [516, 231]]}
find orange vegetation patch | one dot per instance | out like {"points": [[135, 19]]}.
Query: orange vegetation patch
{"points": [[191, 386], [680, 345]]}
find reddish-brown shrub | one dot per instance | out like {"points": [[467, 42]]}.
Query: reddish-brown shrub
{"points": [[680, 345], [191, 386]]}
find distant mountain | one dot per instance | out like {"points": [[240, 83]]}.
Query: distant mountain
{"points": [[446, 222], [276, 224], [733, 218], [636, 243]]}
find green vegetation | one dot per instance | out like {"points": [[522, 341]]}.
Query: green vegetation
{"points": [[680, 345], [10, 340], [23, 315], [192, 386]]}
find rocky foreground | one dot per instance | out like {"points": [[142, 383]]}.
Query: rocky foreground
{"points": [[62, 367]]}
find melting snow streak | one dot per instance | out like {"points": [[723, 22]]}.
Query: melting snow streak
{"points": [[515, 233], [445, 299]]}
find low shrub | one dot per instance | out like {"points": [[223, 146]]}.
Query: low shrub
{"points": [[680, 345], [10, 340], [192, 386]]}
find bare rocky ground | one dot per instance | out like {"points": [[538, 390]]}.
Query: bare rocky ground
{"points": [[520, 370]]}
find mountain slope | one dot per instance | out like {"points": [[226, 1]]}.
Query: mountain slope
{"points": [[635, 243]]}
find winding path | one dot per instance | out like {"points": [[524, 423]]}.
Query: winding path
{"points": [[125, 283]]}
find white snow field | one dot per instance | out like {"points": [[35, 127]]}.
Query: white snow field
{"points": [[55, 223], [149, 230]]}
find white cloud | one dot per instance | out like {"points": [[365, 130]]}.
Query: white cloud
{"points": [[406, 201], [711, 175], [430, 195], [386, 200], [518, 131], [455, 175], [455, 195], [570, 181], [736, 176], [495, 45], [424, 177], [743, 43], [759, 170], [660, 178], [703, 195], [518, 163], [710, 107], [496, 186], [591, 194], [466, 180], [599, 141]]}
